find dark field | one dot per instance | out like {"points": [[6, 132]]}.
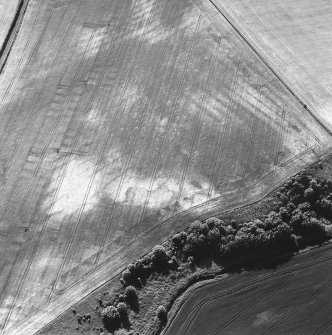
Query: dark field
{"points": [[291, 299]]}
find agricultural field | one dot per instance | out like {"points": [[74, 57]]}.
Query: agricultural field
{"points": [[294, 37], [292, 299], [7, 10], [120, 122]]}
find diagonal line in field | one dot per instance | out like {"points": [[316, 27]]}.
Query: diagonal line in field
{"points": [[76, 225], [223, 132], [120, 102], [198, 126], [30, 262]]}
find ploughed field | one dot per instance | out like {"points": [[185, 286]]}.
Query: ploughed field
{"points": [[295, 38], [120, 122], [294, 298]]}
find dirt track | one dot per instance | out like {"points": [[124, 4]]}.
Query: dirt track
{"points": [[7, 10], [120, 123], [12, 14]]}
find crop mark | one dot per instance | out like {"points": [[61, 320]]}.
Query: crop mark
{"points": [[261, 57], [12, 33], [43, 152], [37, 243], [197, 127], [22, 57], [34, 174], [112, 121], [44, 149], [226, 122], [154, 173], [73, 234], [280, 141], [148, 107], [125, 169], [25, 128], [258, 49], [232, 157], [89, 187], [89, 271], [170, 119], [3, 326], [251, 143]]}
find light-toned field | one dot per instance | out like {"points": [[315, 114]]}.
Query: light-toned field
{"points": [[7, 13], [295, 37], [292, 299], [121, 121]]}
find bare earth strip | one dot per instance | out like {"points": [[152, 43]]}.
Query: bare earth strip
{"points": [[286, 300], [294, 37], [120, 122]]}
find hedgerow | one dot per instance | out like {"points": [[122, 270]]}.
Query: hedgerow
{"points": [[300, 218]]}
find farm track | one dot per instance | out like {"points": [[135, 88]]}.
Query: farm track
{"points": [[29, 119], [253, 284], [46, 147], [9, 39], [10, 87]]}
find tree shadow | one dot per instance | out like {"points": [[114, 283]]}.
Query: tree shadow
{"points": [[111, 327], [134, 304], [125, 322]]}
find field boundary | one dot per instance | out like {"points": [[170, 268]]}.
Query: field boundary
{"points": [[256, 199], [12, 33]]}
